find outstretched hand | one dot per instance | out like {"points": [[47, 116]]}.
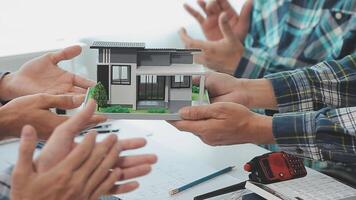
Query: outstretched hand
{"points": [[43, 75], [222, 55], [213, 9]]}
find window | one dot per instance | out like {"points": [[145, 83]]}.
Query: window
{"points": [[121, 75], [180, 81], [148, 79]]}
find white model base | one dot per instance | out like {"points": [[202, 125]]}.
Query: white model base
{"points": [[142, 116]]}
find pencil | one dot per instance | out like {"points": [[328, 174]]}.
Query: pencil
{"points": [[201, 180]]}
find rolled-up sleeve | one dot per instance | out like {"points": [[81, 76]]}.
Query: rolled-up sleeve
{"points": [[327, 84], [328, 134]]}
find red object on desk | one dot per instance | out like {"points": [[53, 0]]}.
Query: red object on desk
{"points": [[275, 167]]}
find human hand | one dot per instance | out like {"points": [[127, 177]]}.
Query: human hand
{"points": [[213, 9], [225, 123], [222, 55], [62, 142], [42, 75], [225, 88], [72, 178], [252, 93], [34, 110]]}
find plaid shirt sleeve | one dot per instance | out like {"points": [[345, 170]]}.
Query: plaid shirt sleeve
{"points": [[328, 134], [317, 107], [327, 84], [5, 178]]}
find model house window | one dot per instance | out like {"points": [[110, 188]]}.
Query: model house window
{"points": [[121, 75], [180, 81], [148, 79]]}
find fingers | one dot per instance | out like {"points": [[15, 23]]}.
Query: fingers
{"points": [[107, 185], [197, 112], [225, 27], [98, 163], [102, 170], [224, 5], [194, 13], [213, 7], [59, 101], [27, 147], [131, 161], [78, 121], [133, 143], [134, 172], [83, 82], [194, 127], [124, 188], [244, 20], [77, 90], [190, 42], [65, 54], [202, 5], [80, 153]]}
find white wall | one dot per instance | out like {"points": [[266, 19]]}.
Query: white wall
{"points": [[125, 94], [29, 26]]}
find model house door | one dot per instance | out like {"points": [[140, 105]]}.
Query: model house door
{"points": [[151, 87], [103, 76]]}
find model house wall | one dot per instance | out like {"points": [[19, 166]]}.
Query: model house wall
{"points": [[119, 69]]}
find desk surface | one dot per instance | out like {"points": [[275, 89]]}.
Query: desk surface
{"points": [[182, 142]]}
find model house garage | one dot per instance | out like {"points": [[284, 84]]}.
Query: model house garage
{"points": [[141, 78]]}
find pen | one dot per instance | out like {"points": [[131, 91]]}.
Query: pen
{"points": [[101, 131], [201, 180]]}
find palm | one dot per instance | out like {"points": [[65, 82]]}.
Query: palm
{"points": [[42, 75]]}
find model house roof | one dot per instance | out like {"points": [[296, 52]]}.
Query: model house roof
{"points": [[132, 45], [175, 69], [139, 46]]}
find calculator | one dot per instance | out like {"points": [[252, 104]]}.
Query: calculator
{"points": [[275, 167]]}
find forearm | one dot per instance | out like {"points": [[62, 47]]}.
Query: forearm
{"points": [[329, 83]]}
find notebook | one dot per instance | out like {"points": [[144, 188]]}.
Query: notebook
{"points": [[315, 186]]}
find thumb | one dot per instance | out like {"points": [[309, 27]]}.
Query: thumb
{"points": [[225, 27], [65, 54], [27, 147], [197, 112], [244, 21]]}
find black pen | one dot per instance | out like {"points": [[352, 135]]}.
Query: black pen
{"points": [[101, 131]]}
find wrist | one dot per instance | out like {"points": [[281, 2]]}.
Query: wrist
{"points": [[260, 128], [235, 60], [260, 94]]}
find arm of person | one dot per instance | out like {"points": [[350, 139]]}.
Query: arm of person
{"points": [[327, 84], [327, 134]]}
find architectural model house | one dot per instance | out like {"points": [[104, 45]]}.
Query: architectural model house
{"points": [[143, 79]]}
